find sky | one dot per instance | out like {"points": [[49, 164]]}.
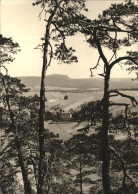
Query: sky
{"points": [[19, 20]]}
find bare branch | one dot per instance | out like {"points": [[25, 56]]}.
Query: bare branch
{"points": [[124, 58], [99, 47], [113, 29], [123, 167], [102, 74], [4, 68], [43, 7], [39, 47], [95, 67], [133, 100]]}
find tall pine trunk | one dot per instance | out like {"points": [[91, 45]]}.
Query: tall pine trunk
{"points": [[105, 119], [42, 163], [42, 117], [105, 128]]}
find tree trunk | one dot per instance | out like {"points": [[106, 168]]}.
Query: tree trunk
{"points": [[105, 119], [105, 127], [41, 173], [27, 185], [42, 117], [81, 192]]}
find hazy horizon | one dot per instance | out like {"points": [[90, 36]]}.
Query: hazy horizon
{"points": [[76, 77]]}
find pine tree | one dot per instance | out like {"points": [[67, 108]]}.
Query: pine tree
{"points": [[105, 33], [60, 24]]}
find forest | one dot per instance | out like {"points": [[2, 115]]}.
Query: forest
{"points": [[93, 160]]}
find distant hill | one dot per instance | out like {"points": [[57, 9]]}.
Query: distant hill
{"points": [[64, 81]]}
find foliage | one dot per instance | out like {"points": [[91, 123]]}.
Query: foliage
{"points": [[63, 24], [91, 112], [49, 116], [7, 48], [83, 160]]}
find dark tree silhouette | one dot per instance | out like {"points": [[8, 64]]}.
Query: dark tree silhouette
{"points": [[10, 99], [7, 49], [105, 33], [60, 24], [10, 90]]}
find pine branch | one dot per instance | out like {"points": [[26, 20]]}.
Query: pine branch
{"points": [[126, 116]]}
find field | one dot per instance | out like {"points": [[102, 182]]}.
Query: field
{"points": [[75, 99], [67, 130]]}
